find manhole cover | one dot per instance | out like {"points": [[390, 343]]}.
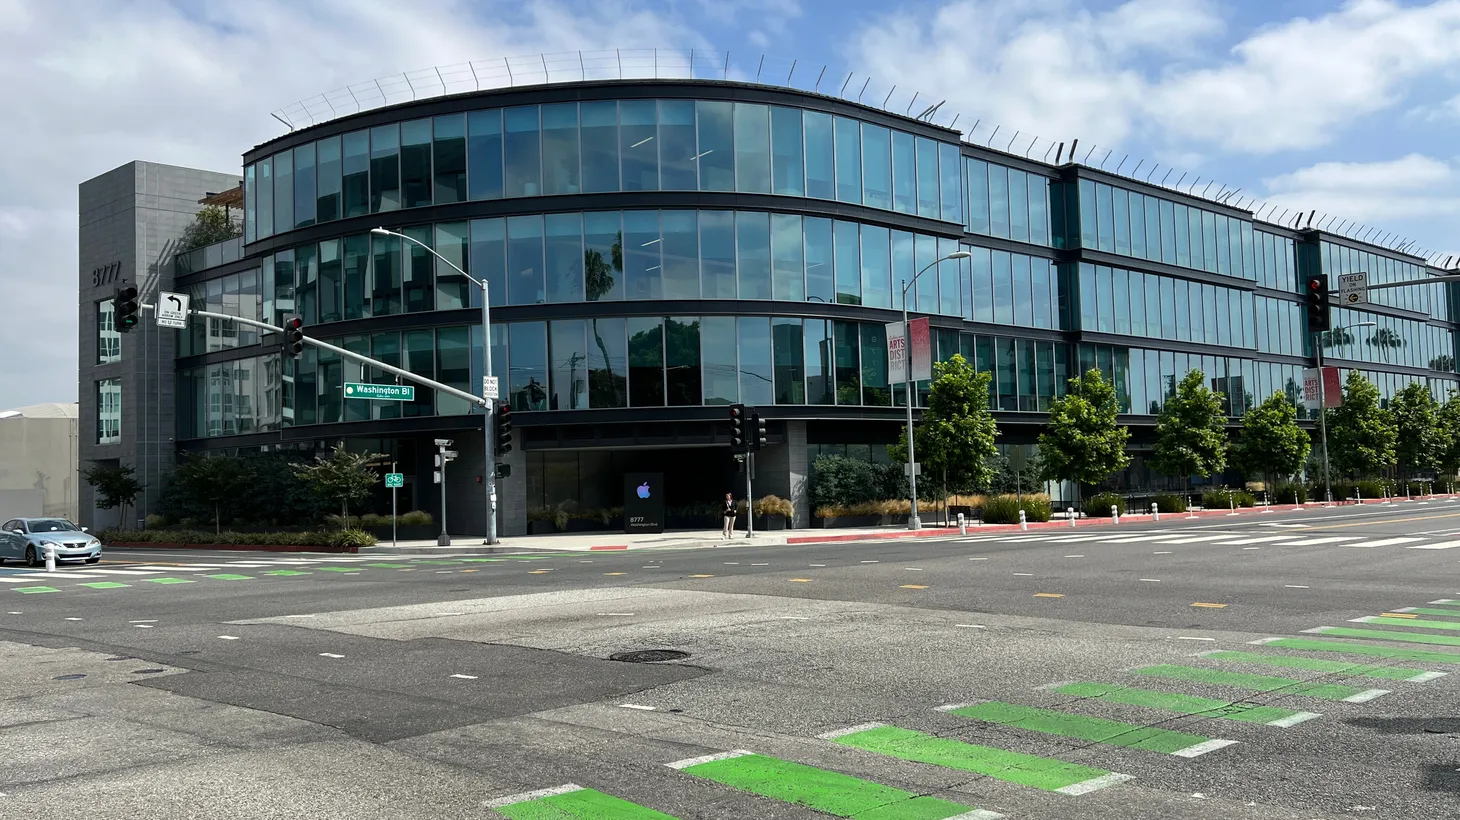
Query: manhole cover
{"points": [[649, 656], [68, 677], [146, 671]]}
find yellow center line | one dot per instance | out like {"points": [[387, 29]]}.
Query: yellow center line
{"points": [[1397, 615], [1378, 521], [912, 586], [620, 573], [708, 576], [1048, 595], [800, 580], [477, 570], [1210, 606]]}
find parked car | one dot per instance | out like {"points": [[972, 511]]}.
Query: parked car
{"points": [[26, 539]]}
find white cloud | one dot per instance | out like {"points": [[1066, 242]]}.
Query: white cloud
{"points": [[99, 84]]}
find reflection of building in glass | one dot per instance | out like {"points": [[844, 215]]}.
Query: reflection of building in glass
{"points": [[657, 250], [108, 411]]}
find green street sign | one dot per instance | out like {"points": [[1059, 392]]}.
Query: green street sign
{"points": [[384, 392], [393, 480]]}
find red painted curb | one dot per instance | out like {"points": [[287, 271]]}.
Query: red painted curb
{"points": [[230, 547], [621, 547]]}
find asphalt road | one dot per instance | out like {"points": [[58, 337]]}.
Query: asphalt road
{"points": [[1286, 665]]}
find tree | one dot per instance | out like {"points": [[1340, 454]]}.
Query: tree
{"points": [[1083, 442], [1419, 443], [1361, 435], [1191, 432], [1449, 423], [212, 224], [115, 487], [1272, 443], [598, 280], [203, 482], [955, 436], [342, 476]]}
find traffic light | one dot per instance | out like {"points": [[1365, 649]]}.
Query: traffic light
{"points": [[737, 426], [504, 470], [757, 432], [1315, 292], [126, 307], [293, 337], [502, 430]]}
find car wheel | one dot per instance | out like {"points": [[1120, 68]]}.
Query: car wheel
{"points": [[30, 559]]}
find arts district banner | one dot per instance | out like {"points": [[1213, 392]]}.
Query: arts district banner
{"points": [[1332, 391], [921, 339]]}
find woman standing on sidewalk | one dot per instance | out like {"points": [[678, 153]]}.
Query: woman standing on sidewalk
{"points": [[728, 516]]}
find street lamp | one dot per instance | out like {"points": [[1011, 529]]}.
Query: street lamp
{"points": [[1323, 403], [489, 473], [912, 520]]}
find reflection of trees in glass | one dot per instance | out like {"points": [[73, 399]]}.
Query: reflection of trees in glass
{"points": [[1445, 363], [1386, 337], [598, 280], [682, 361], [1337, 338]]}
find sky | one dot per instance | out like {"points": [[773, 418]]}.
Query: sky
{"points": [[1349, 109]]}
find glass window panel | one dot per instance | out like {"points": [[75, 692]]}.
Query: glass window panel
{"points": [[1169, 310], [385, 274], [788, 263], [716, 146], [356, 169], [1018, 206], [752, 148], [848, 266], [925, 253], [1038, 209], [1105, 212], [718, 360], [1168, 232], [1138, 225], [1120, 294], [788, 356], [1088, 231], [717, 254], [327, 175], [950, 284], [527, 365], [755, 372], [603, 255], [484, 154], [488, 259], [524, 260], [950, 164], [1023, 290], [928, 200], [876, 267], [607, 363], [753, 254], [1209, 303], [848, 160], [385, 168], [905, 177], [646, 362], [568, 376], [877, 166], [560, 159], [600, 146], [357, 276], [681, 255], [523, 151], [820, 156], [1105, 303], [415, 163], [876, 392], [565, 258], [1182, 227], [265, 169], [788, 171], [452, 289], [448, 152], [819, 267], [1028, 389], [1181, 300], [1153, 228], [642, 140], [983, 283], [846, 344], [1006, 373], [283, 192], [419, 357], [304, 195], [250, 204], [682, 361], [330, 281], [819, 374], [1042, 295], [999, 200], [1003, 287], [384, 347], [453, 367], [643, 266], [1120, 203], [1198, 239]]}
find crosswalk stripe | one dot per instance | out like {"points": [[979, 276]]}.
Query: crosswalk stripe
{"points": [[1386, 542], [1443, 545], [123, 571], [569, 801], [1332, 539], [1269, 539], [1192, 539]]}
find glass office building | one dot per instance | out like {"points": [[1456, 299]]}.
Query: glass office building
{"points": [[657, 250]]}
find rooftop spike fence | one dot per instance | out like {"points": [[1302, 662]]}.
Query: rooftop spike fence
{"points": [[700, 64]]}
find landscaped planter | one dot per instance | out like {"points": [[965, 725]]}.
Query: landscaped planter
{"points": [[234, 547], [768, 523], [838, 521], [691, 522], [413, 532], [541, 528]]}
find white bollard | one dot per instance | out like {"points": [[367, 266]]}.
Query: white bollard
{"points": [[1023, 525], [1266, 504], [1155, 511], [50, 558], [1070, 514], [1114, 514], [962, 525], [1231, 503]]}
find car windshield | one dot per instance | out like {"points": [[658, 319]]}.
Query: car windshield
{"points": [[51, 525]]}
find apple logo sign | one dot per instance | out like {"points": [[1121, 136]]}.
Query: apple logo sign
{"points": [[644, 490]]}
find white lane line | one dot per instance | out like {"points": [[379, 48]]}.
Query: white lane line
{"points": [[330, 655], [1261, 641], [764, 564], [1317, 630], [1441, 601], [142, 626], [1152, 580], [1193, 539], [628, 614], [1069, 556], [1294, 719], [695, 761], [227, 637], [850, 730], [1266, 539], [970, 626], [1202, 748], [1192, 638], [737, 563], [913, 569], [1294, 586], [1094, 784], [638, 706], [794, 617], [511, 800], [143, 621], [1425, 676], [1025, 574], [872, 562], [465, 677], [1387, 542], [73, 619], [822, 565], [1331, 539], [978, 814], [980, 558], [952, 707], [1443, 545], [1366, 696], [1252, 548], [119, 572], [1162, 553]]}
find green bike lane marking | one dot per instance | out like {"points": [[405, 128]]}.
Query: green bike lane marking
{"points": [[1416, 623], [572, 802], [175, 580], [1012, 767], [1262, 683], [1083, 727], [823, 790], [1317, 665], [228, 576], [104, 585], [34, 590], [1387, 635], [1187, 705], [1351, 648]]}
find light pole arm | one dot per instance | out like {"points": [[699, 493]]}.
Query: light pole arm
{"points": [[481, 283]]}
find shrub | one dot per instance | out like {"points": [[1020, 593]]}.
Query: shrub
{"points": [[318, 538], [1371, 488], [1098, 505], [838, 480], [556, 513], [1290, 493], [155, 521], [1004, 509], [1171, 503], [416, 518], [774, 505], [1219, 499]]}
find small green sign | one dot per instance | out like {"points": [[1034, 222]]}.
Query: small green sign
{"points": [[384, 392], [395, 480]]}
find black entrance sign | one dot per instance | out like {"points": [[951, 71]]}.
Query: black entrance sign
{"points": [[643, 502]]}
